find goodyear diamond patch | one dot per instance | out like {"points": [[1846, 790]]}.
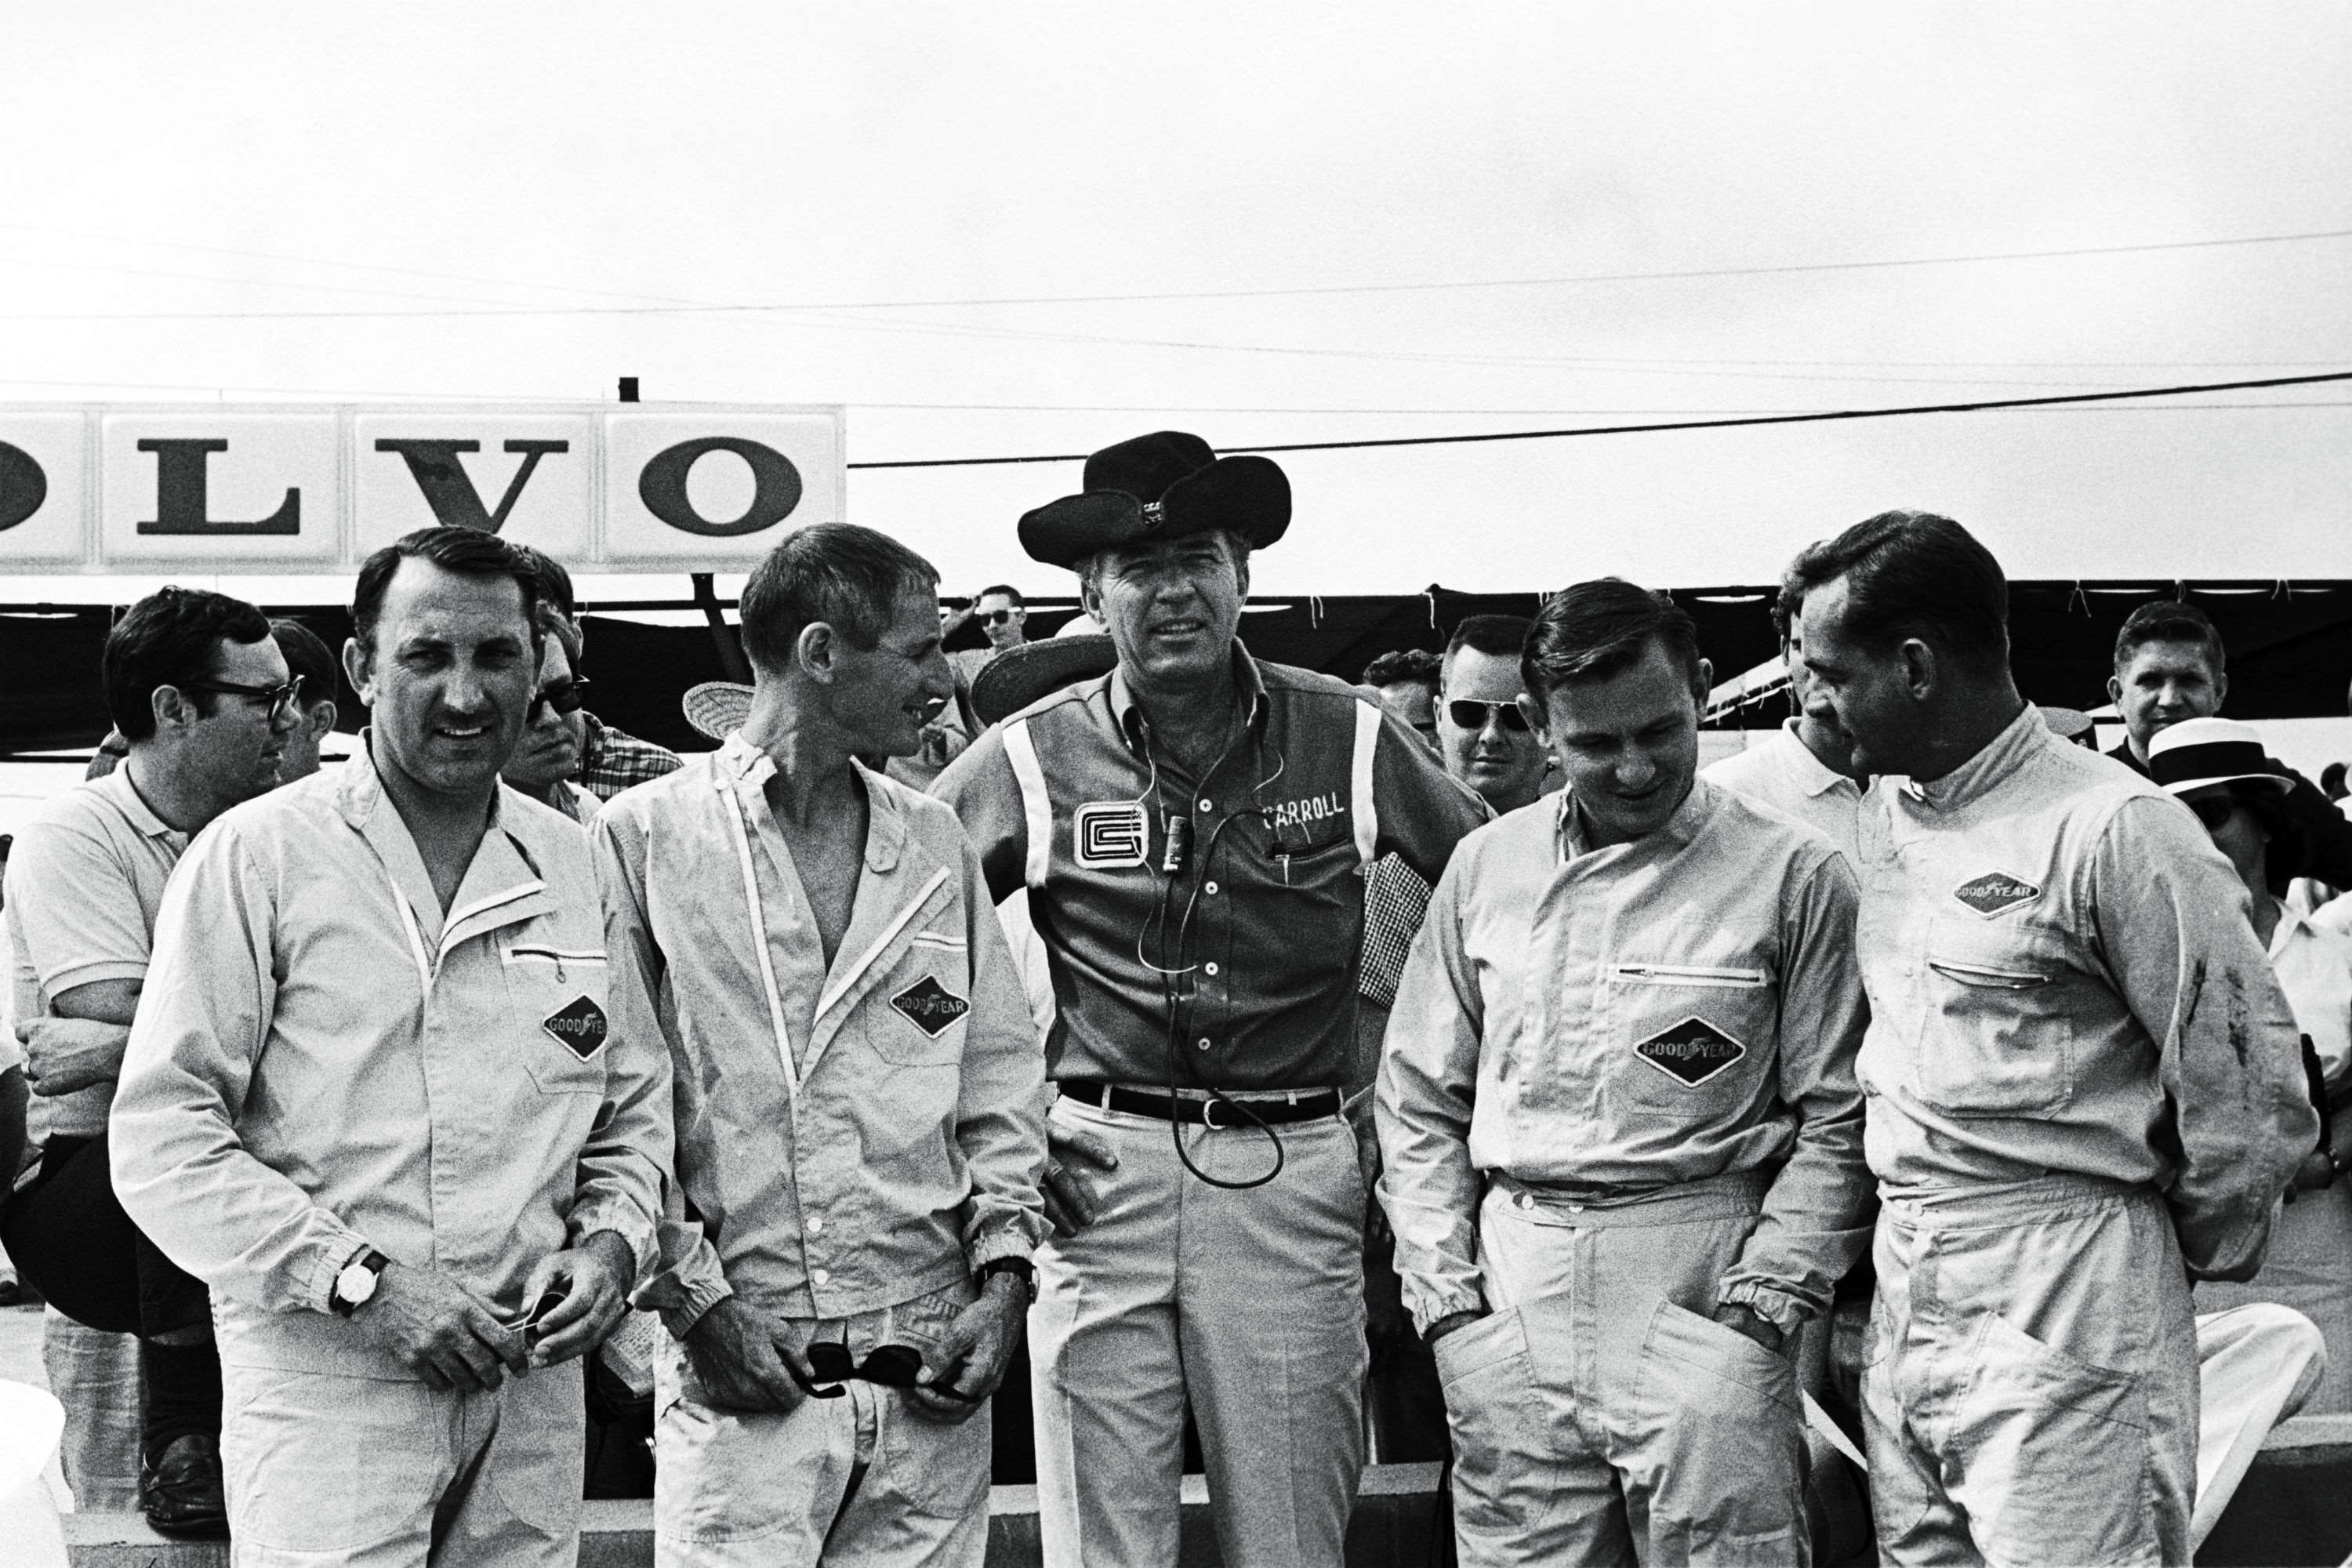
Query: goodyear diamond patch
{"points": [[1691, 1052], [578, 1025], [929, 1005], [1996, 893]]}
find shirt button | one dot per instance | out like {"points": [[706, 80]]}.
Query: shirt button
{"points": [[1206, 806], [1209, 970], [821, 1276], [1208, 887], [1204, 1042], [816, 1225]]}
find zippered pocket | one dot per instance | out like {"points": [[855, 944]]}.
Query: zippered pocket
{"points": [[1997, 978], [556, 958], [1688, 974]]}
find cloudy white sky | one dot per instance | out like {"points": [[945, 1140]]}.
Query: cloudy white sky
{"points": [[1321, 221]]}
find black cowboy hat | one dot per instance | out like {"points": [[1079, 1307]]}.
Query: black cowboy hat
{"points": [[1161, 485]]}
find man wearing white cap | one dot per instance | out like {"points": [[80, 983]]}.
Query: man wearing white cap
{"points": [[2084, 1083]]}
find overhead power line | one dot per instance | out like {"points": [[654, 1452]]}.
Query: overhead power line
{"points": [[1750, 420], [1563, 279]]}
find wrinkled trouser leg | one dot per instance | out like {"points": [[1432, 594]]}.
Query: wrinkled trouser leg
{"points": [[2256, 1364], [327, 1470], [2032, 1394], [96, 1375], [1249, 1303], [1599, 1416], [862, 1480]]}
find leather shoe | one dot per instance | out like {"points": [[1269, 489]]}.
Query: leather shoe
{"points": [[180, 1492]]}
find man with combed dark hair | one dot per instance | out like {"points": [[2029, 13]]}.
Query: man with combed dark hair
{"points": [[611, 760], [313, 668], [859, 1094], [1622, 1145], [1406, 679], [1190, 829], [195, 683], [1805, 768], [2085, 1085], [1483, 733], [373, 1099], [2169, 667]]}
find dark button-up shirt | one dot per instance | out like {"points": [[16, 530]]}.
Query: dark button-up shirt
{"points": [[1245, 954]]}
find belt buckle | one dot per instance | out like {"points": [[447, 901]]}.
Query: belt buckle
{"points": [[1209, 1117]]}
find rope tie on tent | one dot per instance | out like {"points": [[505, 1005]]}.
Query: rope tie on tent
{"points": [[1315, 611], [2076, 596], [1429, 593]]}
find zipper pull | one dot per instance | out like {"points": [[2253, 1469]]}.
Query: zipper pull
{"points": [[1284, 858]]}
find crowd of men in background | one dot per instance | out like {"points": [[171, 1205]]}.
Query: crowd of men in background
{"points": [[1128, 993]]}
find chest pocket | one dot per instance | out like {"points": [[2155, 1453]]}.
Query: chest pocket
{"points": [[557, 993], [1993, 1039], [1688, 1038], [915, 1016]]}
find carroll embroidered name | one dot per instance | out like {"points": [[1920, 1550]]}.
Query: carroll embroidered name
{"points": [[1313, 808]]}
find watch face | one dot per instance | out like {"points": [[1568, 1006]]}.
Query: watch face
{"points": [[356, 1283]]}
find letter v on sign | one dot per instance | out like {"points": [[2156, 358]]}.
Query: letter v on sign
{"points": [[449, 490]]}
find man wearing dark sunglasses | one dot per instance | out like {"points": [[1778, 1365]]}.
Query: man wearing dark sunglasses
{"points": [[202, 695], [1482, 732], [553, 726]]}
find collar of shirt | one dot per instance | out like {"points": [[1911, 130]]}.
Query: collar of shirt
{"points": [[746, 769], [2290, 926], [1568, 823], [501, 886], [119, 787], [1130, 716], [1809, 772], [1978, 776]]}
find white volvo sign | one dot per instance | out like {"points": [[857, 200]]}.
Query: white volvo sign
{"points": [[315, 487]]}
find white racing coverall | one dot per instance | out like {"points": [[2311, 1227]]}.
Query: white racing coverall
{"points": [[2081, 1077], [1618, 1090], [324, 1063], [853, 1142]]}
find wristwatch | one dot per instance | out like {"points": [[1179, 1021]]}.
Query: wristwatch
{"points": [[356, 1286], [1021, 1268]]}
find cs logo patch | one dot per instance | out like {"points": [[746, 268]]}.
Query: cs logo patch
{"points": [[1691, 1052], [1110, 835], [1995, 893], [578, 1026]]}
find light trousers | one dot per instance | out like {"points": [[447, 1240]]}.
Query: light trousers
{"points": [[1599, 1415], [2030, 1392], [863, 1479], [1248, 1306], [333, 1471], [2256, 1365]]}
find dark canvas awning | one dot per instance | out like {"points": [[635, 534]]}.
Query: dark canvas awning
{"points": [[2290, 648]]}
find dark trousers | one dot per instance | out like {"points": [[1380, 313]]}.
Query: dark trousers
{"points": [[67, 1235]]}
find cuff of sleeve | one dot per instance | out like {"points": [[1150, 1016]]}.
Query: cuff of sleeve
{"points": [[680, 1303], [624, 1219], [1431, 1308], [331, 1258], [1006, 1238], [1775, 1306]]}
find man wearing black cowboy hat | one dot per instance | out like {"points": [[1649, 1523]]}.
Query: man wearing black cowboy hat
{"points": [[1191, 829]]}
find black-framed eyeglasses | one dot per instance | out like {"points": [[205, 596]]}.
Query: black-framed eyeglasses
{"points": [[831, 1366], [564, 697], [998, 618], [1469, 713], [280, 699]]}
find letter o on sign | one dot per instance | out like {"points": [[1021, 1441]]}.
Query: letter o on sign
{"points": [[23, 486], [776, 487]]}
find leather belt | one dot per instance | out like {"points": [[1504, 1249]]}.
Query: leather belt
{"points": [[1305, 1105]]}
